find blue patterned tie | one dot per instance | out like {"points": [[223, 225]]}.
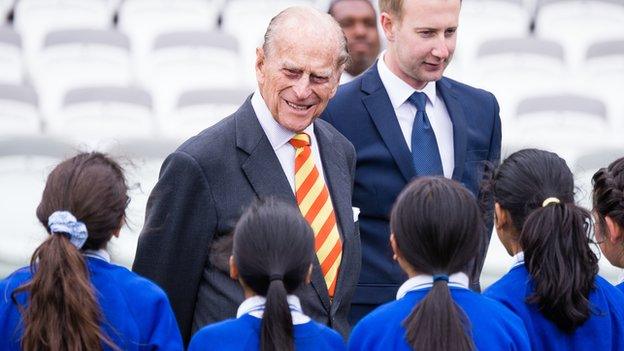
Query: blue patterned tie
{"points": [[425, 153]]}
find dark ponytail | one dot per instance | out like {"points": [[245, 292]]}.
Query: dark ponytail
{"points": [[273, 250], [438, 230], [554, 234], [62, 312]]}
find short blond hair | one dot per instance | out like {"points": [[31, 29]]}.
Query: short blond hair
{"points": [[394, 7]]}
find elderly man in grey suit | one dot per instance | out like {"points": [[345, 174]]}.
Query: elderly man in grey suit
{"points": [[257, 152]]}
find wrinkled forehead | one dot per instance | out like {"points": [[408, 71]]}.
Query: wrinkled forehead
{"points": [[317, 54]]}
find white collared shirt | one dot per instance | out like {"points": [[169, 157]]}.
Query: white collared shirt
{"points": [[279, 138], [424, 281], [255, 307], [100, 254], [517, 259], [346, 77], [399, 91]]}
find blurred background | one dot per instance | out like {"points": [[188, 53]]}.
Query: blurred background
{"points": [[135, 78]]}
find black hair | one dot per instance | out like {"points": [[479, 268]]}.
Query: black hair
{"points": [[438, 229], [608, 193], [555, 237], [273, 250]]}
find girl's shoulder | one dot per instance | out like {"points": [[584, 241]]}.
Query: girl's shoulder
{"points": [[13, 281]]}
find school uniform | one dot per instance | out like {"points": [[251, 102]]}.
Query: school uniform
{"points": [[243, 333], [136, 312], [603, 331], [492, 326], [620, 286]]}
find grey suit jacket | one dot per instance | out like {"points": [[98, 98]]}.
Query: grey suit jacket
{"points": [[202, 190]]}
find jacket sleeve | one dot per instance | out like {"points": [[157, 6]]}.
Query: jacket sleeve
{"points": [[179, 224]]}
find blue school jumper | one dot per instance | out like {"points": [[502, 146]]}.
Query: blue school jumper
{"points": [[137, 314], [620, 286], [493, 327], [603, 331], [243, 333]]}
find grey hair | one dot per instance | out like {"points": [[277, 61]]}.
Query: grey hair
{"points": [[306, 13]]}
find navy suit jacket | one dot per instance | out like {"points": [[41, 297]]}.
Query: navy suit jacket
{"points": [[362, 111]]}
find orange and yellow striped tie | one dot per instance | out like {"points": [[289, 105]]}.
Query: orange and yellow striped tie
{"points": [[316, 206]]}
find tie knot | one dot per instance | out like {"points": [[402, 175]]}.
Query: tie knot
{"points": [[300, 140], [418, 99]]}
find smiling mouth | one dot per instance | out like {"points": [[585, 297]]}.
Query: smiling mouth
{"points": [[298, 107]]}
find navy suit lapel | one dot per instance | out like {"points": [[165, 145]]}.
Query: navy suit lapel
{"points": [[261, 162], [337, 177], [380, 109], [458, 119]]}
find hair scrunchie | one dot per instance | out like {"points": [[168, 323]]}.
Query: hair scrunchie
{"points": [[64, 223]]}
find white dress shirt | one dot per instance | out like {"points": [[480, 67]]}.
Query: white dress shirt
{"points": [[255, 307], [399, 92], [518, 259], [279, 138], [424, 281]]}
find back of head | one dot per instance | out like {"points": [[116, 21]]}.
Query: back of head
{"points": [[536, 187], [273, 250], [62, 311], [608, 192], [438, 229]]}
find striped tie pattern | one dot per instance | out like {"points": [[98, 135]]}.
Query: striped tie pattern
{"points": [[316, 206]]}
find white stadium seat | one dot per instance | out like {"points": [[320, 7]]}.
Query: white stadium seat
{"points": [[577, 23], [191, 60], [513, 67], [19, 111], [34, 19], [11, 59], [482, 20], [76, 58], [24, 165], [144, 20], [567, 124], [94, 117], [197, 110]]}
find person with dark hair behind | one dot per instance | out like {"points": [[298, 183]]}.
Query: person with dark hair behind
{"points": [[272, 258], [553, 285], [71, 297], [433, 225], [608, 203]]}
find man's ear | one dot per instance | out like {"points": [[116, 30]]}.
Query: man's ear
{"points": [[614, 231], [233, 269], [388, 25], [260, 62]]}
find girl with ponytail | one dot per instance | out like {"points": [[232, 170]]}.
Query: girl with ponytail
{"points": [[71, 297], [608, 199], [271, 258], [436, 231], [553, 285]]}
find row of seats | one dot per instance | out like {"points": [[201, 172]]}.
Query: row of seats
{"points": [[572, 122], [25, 162], [97, 114]]}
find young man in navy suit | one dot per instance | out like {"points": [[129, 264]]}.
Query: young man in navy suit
{"points": [[406, 120]]}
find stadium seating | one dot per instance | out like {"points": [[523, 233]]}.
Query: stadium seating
{"points": [[11, 62], [19, 111], [199, 109]]}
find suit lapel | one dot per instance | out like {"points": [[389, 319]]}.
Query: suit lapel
{"points": [[261, 162], [380, 109], [337, 177], [458, 119]]}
